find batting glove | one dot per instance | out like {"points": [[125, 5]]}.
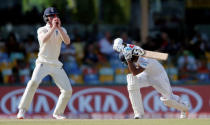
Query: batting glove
{"points": [[127, 52], [118, 45], [138, 51]]}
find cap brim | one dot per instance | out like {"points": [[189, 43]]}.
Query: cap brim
{"points": [[51, 14]]}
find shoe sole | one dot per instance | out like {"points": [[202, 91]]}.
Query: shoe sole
{"points": [[58, 118], [20, 118], [186, 115]]}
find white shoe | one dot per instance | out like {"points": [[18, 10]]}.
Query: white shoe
{"points": [[59, 116], [138, 117], [21, 114], [184, 115]]}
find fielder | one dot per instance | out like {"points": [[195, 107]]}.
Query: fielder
{"points": [[50, 38], [148, 72]]}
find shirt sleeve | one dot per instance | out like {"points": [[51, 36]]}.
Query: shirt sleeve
{"points": [[40, 32], [64, 30], [143, 62]]}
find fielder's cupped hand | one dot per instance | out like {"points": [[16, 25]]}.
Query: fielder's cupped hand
{"points": [[56, 22], [59, 22], [127, 52]]}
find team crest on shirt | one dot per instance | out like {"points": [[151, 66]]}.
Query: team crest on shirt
{"points": [[56, 32]]}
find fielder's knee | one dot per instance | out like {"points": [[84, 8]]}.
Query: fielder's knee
{"points": [[67, 93], [33, 84]]}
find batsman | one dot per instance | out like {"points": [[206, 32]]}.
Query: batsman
{"points": [[50, 38], [147, 72]]}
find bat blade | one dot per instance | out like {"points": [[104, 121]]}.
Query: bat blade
{"points": [[155, 55]]}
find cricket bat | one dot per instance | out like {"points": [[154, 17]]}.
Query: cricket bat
{"points": [[119, 46], [155, 55]]}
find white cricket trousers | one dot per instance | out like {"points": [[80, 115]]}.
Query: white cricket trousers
{"points": [[160, 83], [61, 80]]}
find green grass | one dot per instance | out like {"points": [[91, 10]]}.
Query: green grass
{"points": [[105, 122]]}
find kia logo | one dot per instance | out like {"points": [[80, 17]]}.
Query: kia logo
{"points": [[14, 98], [98, 100], [186, 94]]}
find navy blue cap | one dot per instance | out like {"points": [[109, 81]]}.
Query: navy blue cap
{"points": [[50, 11]]}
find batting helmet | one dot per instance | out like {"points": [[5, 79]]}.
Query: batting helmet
{"points": [[123, 60], [49, 11]]}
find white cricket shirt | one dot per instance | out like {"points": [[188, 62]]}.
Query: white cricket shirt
{"points": [[152, 67], [49, 51]]}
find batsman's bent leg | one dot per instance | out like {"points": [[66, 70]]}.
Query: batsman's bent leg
{"points": [[168, 98], [175, 102], [28, 95]]}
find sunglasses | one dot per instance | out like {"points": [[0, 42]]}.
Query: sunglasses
{"points": [[52, 15]]}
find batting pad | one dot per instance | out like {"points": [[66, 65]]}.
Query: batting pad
{"points": [[136, 102], [174, 104]]}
